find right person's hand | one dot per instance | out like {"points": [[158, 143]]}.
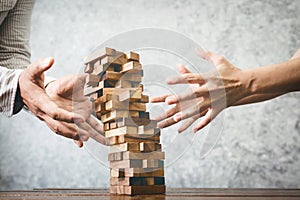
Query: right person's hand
{"points": [[224, 87], [217, 90]]}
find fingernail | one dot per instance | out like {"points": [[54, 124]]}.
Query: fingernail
{"points": [[160, 125], [78, 120], [177, 117], [169, 81], [170, 100], [46, 62], [195, 130]]}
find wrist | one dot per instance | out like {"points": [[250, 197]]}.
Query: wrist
{"points": [[248, 80]]}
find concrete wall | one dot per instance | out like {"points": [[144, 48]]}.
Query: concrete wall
{"points": [[259, 145]]}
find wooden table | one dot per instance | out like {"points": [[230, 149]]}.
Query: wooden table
{"points": [[172, 193]]}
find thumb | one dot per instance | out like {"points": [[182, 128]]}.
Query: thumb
{"points": [[41, 65]]}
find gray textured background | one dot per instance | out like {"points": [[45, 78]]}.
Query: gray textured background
{"points": [[259, 145]]}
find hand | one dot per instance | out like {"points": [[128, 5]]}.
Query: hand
{"points": [[31, 84], [216, 91], [67, 93]]}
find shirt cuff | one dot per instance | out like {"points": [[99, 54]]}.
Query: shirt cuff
{"points": [[8, 92]]}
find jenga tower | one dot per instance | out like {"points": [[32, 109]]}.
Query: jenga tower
{"points": [[136, 160]]}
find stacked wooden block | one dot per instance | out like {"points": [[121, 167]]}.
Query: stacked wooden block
{"points": [[136, 160]]}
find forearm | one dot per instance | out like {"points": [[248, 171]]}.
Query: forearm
{"points": [[257, 98], [274, 79]]}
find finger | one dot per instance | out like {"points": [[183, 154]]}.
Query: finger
{"points": [[79, 143], [209, 116], [198, 92], [56, 113], [215, 58], [187, 78], [40, 66], [167, 114], [159, 98], [203, 54], [92, 133], [190, 121], [193, 108], [71, 85], [186, 124], [182, 69], [63, 129], [95, 124], [166, 123]]}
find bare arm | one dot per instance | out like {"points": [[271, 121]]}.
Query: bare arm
{"points": [[230, 86]]}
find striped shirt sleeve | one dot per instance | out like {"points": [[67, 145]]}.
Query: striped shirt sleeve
{"points": [[9, 102], [15, 16]]}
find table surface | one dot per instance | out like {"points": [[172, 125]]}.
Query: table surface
{"points": [[172, 193]]}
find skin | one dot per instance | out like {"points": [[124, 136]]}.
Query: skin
{"points": [[224, 87], [65, 112]]}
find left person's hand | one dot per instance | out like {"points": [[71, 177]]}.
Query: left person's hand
{"points": [[67, 93], [54, 105]]}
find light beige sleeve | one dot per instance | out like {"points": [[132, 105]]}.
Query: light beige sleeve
{"points": [[15, 19]]}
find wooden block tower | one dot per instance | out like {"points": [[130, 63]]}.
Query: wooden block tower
{"points": [[136, 160]]}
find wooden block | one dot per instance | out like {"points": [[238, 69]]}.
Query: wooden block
{"points": [[111, 75], [128, 146], [131, 138], [121, 131], [107, 84], [118, 91], [92, 80], [144, 99], [133, 56], [116, 172], [127, 84], [149, 146], [113, 115], [106, 126], [91, 90], [130, 94], [99, 53], [100, 108], [144, 130], [131, 181], [135, 172], [117, 60], [117, 105], [136, 122], [97, 68], [132, 65], [138, 190], [127, 155], [88, 68], [135, 147], [119, 139], [145, 115], [153, 163], [107, 97], [111, 67], [135, 76], [93, 98], [126, 164], [113, 125]]}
